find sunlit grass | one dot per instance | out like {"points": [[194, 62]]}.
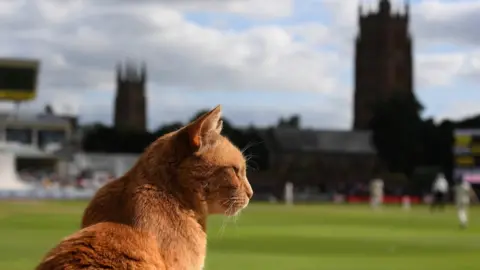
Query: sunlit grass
{"points": [[278, 237]]}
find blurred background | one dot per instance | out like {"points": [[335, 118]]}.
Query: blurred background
{"points": [[325, 95]]}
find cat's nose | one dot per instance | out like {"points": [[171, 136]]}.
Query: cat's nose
{"points": [[249, 194], [248, 190]]}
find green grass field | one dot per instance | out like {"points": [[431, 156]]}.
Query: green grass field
{"points": [[278, 237]]}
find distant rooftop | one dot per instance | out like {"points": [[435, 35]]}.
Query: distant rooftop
{"points": [[308, 140], [33, 119]]}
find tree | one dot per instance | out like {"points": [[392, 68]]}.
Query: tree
{"points": [[48, 109], [103, 139], [293, 121], [444, 147], [397, 133], [167, 129], [256, 150]]}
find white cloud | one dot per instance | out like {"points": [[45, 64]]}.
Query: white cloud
{"points": [[257, 8], [438, 69], [447, 22], [254, 8], [472, 66], [459, 110], [314, 34], [80, 41], [448, 68]]}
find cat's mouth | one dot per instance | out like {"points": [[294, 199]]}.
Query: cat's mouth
{"points": [[236, 205]]}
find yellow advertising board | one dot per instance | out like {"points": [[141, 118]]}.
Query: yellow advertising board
{"points": [[466, 153], [18, 79]]}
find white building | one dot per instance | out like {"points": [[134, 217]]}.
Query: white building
{"points": [[36, 130]]}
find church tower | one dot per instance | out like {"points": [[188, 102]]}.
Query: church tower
{"points": [[130, 102], [383, 59]]}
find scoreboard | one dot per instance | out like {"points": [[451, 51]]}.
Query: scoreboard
{"points": [[466, 154], [18, 79]]}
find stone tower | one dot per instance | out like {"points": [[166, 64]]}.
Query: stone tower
{"points": [[130, 101], [383, 59]]}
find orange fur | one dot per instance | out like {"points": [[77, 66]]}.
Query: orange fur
{"points": [[178, 181], [105, 246]]}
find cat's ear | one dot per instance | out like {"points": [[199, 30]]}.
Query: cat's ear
{"points": [[199, 130], [219, 126]]}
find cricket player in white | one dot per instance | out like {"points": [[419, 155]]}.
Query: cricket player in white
{"points": [[376, 193], [440, 191], [463, 194]]}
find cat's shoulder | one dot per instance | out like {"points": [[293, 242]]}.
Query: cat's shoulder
{"points": [[106, 245]]}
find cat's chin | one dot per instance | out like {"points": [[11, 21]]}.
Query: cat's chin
{"points": [[228, 207], [237, 209], [234, 212]]}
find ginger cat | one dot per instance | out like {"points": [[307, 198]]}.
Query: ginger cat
{"points": [[154, 217]]}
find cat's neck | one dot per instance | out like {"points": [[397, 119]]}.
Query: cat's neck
{"points": [[155, 194], [180, 229]]}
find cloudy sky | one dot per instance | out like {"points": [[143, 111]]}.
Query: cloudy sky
{"points": [[261, 59]]}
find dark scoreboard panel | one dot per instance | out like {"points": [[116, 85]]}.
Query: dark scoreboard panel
{"points": [[18, 79], [466, 151]]}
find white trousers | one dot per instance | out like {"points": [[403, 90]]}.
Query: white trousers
{"points": [[462, 212], [376, 200]]}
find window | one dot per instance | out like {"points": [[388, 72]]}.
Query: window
{"points": [[20, 135], [46, 137]]}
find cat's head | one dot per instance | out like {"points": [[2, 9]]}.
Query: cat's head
{"points": [[214, 166]]}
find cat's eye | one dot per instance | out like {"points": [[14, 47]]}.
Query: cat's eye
{"points": [[236, 170]]}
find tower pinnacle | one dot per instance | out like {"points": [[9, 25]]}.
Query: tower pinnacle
{"points": [[385, 6]]}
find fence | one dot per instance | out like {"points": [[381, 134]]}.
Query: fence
{"points": [[45, 194]]}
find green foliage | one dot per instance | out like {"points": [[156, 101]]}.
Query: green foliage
{"points": [[293, 121], [167, 129], [397, 133], [405, 141], [100, 138]]}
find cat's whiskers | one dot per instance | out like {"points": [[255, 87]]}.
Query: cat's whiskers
{"points": [[236, 217], [226, 217], [248, 157], [231, 209], [223, 226], [249, 145], [254, 163], [244, 149]]}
